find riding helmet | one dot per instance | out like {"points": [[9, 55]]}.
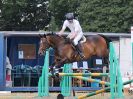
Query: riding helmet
{"points": [[69, 16]]}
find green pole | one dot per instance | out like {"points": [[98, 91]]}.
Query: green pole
{"points": [[100, 91], [66, 81], [46, 76], [43, 85], [115, 75], [112, 82], [119, 81], [39, 86]]}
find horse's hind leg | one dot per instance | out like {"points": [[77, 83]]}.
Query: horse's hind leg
{"points": [[106, 57], [106, 60]]}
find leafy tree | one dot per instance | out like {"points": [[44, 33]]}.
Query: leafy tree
{"points": [[59, 8], [52, 25], [94, 15], [106, 15], [25, 14], [1, 20]]}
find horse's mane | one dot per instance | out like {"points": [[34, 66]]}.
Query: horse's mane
{"points": [[51, 34], [54, 34], [48, 34]]}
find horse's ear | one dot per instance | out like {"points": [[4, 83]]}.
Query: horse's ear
{"points": [[44, 35], [40, 36], [52, 33]]}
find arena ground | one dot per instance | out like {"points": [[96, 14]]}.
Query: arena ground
{"points": [[53, 95]]}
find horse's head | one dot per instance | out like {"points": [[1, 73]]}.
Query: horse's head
{"points": [[50, 40], [44, 44]]}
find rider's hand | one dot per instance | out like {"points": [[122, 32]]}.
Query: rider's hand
{"points": [[59, 33], [72, 35]]}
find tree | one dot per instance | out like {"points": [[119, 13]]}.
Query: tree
{"points": [[25, 14], [52, 25], [59, 8], [94, 15], [106, 15]]}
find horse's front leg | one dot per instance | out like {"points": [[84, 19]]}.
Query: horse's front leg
{"points": [[57, 66], [54, 65], [51, 68]]}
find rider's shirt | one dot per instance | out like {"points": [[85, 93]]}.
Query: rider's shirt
{"points": [[73, 26]]}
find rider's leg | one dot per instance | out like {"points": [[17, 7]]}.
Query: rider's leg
{"points": [[77, 46], [79, 51]]}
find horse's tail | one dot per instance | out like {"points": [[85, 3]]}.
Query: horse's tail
{"points": [[107, 39]]}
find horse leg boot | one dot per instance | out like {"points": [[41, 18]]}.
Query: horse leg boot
{"points": [[57, 67], [79, 51], [51, 69], [54, 67], [54, 71]]}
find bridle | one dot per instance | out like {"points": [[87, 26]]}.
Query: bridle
{"points": [[46, 43]]}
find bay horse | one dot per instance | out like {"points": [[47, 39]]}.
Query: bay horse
{"points": [[65, 52]]}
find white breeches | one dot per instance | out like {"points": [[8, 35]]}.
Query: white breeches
{"points": [[77, 38]]}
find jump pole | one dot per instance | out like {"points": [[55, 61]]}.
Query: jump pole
{"points": [[84, 74], [100, 91], [92, 80], [65, 83], [115, 75], [43, 85], [116, 86]]}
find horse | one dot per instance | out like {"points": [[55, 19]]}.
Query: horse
{"points": [[95, 45]]}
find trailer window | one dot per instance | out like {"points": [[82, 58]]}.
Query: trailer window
{"points": [[26, 51]]}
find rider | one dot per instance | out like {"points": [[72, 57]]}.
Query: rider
{"points": [[76, 31]]}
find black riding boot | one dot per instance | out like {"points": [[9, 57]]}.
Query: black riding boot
{"points": [[79, 51]]}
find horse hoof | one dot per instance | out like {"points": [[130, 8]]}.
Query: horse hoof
{"points": [[57, 74], [54, 75]]}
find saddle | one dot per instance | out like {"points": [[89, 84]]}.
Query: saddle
{"points": [[77, 48], [82, 40]]}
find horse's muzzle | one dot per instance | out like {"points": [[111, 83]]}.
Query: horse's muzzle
{"points": [[41, 53]]}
